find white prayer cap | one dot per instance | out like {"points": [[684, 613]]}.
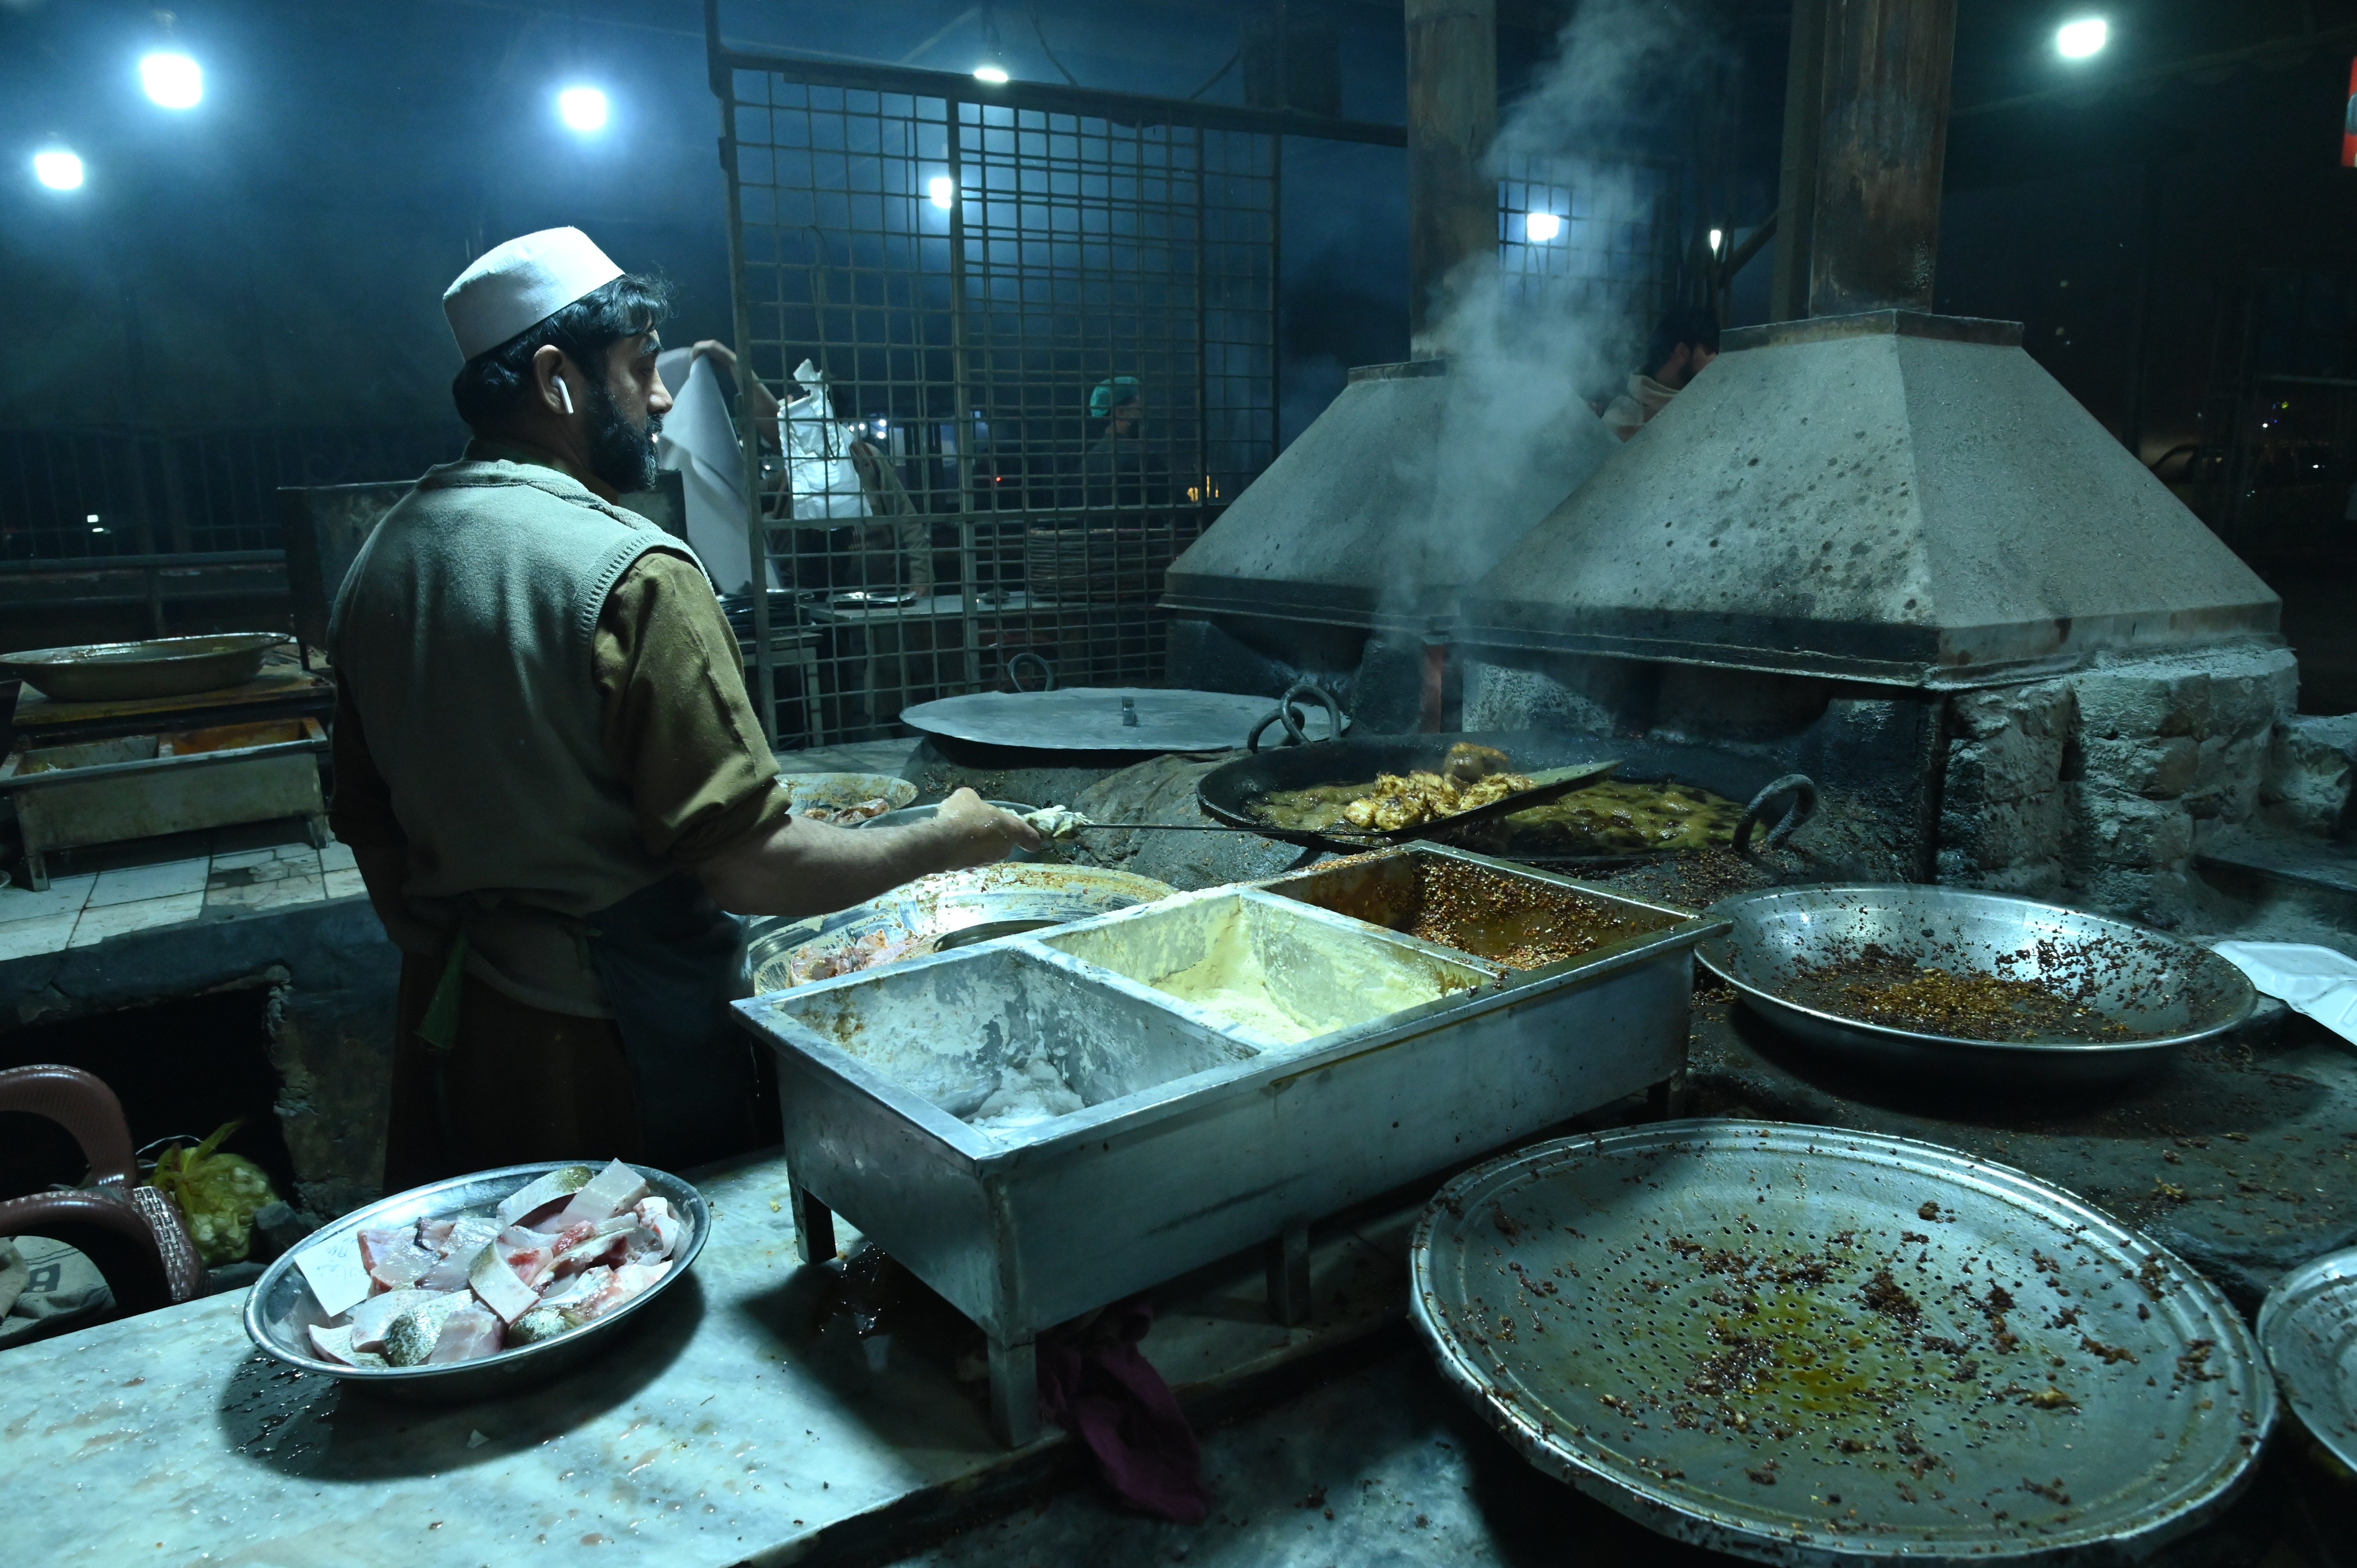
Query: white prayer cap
{"points": [[521, 283]]}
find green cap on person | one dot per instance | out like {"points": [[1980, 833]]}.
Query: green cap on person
{"points": [[1111, 394]]}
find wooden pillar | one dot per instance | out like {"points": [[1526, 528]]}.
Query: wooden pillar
{"points": [[1858, 225], [1452, 114]]}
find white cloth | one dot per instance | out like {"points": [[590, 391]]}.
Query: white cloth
{"points": [[2316, 980], [818, 452], [521, 283], [698, 441]]}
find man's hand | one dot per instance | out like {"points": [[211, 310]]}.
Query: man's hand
{"points": [[719, 350], [978, 833]]}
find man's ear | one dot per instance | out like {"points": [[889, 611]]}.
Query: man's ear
{"points": [[550, 386]]}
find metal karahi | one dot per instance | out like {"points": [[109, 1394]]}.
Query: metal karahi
{"points": [[1809, 1346]]}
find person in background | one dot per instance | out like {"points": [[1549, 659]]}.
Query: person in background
{"points": [[1683, 342], [1118, 470]]}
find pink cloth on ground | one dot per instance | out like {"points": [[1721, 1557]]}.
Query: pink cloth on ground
{"points": [[1109, 1396]]}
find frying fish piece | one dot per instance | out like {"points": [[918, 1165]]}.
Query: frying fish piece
{"points": [[1056, 821], [469, 1334], [500, 1287], [410, 1338], [612, 1190], [1466, 762], [335, 1342], [523, 1204]]}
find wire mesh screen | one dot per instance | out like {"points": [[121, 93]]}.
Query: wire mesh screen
{"points": [[1029, 355], [1590, 235], [70, 494]]}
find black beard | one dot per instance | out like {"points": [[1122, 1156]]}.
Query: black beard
{"points": [[620, 453]]}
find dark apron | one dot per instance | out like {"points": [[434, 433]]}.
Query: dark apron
{"points": [[672, 960]]}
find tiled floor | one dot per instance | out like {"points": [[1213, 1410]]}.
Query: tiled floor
{"points": [[161, 882]]}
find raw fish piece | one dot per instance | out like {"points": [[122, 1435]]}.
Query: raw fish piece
{"points": [[410, 1338], [435, 1233], [467, 1334], [469, 1237], [527, 1252], [371, 1318], [612, 1190], [606, 1242], [540, 1322], [582, 1287], [395, 1261], [499, 1288], [630, 1280], [336, 1345], [658, 1233], [541, 1191]]}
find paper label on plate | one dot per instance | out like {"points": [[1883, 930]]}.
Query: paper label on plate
{"points": [[335, 1274]]}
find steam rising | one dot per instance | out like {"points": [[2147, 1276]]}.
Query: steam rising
{"points": [[1526, 351]]}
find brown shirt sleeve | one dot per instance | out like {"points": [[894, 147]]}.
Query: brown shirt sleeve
{"points": [[361, 814], [679, 725]]}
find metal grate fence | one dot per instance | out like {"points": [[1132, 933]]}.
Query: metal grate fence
{"points": [[1591, 236], [961, 275]]}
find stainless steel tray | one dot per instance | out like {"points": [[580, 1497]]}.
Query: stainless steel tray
{"points": [[280, 1308], [128, 672], [2309, 1324], [1784, 1342], [2170, 994], [1242, 1142]]}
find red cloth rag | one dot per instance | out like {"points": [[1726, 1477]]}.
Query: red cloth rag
{"points": [[1098, 1386]]}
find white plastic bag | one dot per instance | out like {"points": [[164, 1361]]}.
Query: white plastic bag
{"points": [[818, 452], [2316, 980]]}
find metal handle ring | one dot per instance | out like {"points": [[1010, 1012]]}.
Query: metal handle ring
{"points": [[1804, 791], [1046, 670], [1286, 714]]}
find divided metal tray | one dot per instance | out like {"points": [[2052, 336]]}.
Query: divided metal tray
{"points": [[1142, 1126]]}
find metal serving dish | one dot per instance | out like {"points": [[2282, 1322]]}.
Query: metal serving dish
{"points": [[2169, 993], [948, 907], [1492, 908], [281, 1309], [834, 792], [1022, 1229], [2309, 1324], [128, 672], [1785, 1342]]}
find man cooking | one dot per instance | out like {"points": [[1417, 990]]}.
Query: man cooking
{"points": [[1682, 345], [548, 768]]}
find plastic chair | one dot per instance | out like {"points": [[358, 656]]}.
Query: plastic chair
{"points": [[132, 1234]]}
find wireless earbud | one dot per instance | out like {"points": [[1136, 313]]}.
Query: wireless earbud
{"points": [[565, 394]]}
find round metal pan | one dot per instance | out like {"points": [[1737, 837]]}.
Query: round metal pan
{"points": [[2167, 992], [280, 1308], [912, 920], [130, 672], [1228, 792], [1096, 718], [1808, 1345], [2308, 1326]]}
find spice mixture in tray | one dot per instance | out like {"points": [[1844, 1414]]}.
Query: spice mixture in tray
{"points": [[1880, 986]]}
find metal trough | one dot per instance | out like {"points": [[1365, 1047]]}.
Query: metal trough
{"points": [[1034, 1133]]}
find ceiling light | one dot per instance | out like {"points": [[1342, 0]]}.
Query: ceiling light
{"points": [[1541, 227], [57, 168], [994, 74], [2085, 36], [173, 80], [582, 108], [943, 189], [1716, 236]]}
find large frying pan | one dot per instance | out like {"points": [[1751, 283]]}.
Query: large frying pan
{"points": [[1229, 791]]}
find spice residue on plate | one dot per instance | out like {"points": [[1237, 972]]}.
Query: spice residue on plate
{"points": [[1879, 987]]}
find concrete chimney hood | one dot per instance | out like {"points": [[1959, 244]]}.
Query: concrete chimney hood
{"points": [[1350, 525], [1891, 496]]}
